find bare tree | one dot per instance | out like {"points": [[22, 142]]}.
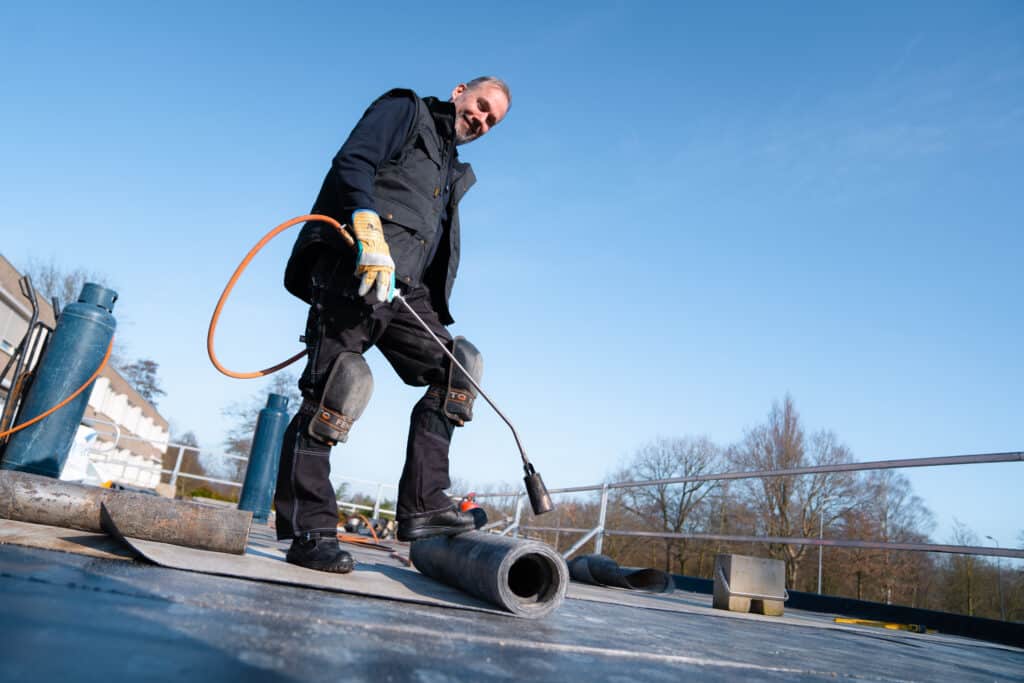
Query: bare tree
{"points": [[875, 506], [962, 584], [884, 508], [670, 507], [186, 439], [142, 375], [186, 447], [52, 281], [791, 506], [572, 513], [901, 517], [238, 440]]}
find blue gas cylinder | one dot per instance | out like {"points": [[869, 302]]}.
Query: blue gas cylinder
{"points": [[75, 350], [264, 458]]}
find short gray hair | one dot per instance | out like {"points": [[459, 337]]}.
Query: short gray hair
{"points": [[492, 81]]}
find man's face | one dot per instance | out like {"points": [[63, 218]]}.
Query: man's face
{"points": [[477, 110]]}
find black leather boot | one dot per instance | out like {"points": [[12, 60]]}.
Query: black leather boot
{"points": [[320, 552], [447, 522]]}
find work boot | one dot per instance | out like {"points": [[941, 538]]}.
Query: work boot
{"points": [[320, 552], [447, 522]]}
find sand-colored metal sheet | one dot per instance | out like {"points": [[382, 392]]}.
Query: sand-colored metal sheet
{"points": [[64, 540]]}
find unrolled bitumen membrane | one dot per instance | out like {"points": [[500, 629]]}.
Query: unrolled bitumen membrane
{"points": [[42, 500], [601, 570], [527, 578]]}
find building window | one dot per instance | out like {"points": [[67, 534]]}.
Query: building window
{"points": [[12, 328]]}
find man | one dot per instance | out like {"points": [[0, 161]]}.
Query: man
{"points": [[397, 181]]}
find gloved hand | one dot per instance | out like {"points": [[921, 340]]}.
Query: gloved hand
{"points": [[373, 263]]}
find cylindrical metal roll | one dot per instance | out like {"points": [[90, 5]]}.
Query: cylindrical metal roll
{"points": [[527, 578], [41, 500]]}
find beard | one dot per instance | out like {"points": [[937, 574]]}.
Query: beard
{"points": [[463, 132]]}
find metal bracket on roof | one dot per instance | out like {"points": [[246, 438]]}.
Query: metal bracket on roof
{"points": [[756, 596]]}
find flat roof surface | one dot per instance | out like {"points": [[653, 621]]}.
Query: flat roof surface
{"points": [[102, 617]]}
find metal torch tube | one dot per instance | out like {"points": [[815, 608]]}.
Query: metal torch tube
{"points": [[451, 356]]}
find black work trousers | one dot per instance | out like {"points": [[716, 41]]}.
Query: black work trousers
{"points": [[338, 322]]}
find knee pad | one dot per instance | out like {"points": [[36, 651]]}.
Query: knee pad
{"points": [[348, 390], [458, 400]]}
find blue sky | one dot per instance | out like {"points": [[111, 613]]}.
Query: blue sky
{"points": [[688, 213]]}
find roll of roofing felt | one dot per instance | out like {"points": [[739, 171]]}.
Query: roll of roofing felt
{"points": [[601, 570], [527, 578], [41, 500]]}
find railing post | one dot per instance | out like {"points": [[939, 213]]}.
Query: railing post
{"points": [[580, 543], [177, 468], [821, 532], [519, 515], [601, 517], [376, 503], [558, 528]]}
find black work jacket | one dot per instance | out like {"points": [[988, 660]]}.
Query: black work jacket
{"points": [[410, 194]]}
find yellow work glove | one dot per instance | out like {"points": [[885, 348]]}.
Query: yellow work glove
{"points": [[373, 263]]}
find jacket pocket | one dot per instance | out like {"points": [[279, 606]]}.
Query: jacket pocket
{"points": [[400, 215], [396, 212], [408, 238], [429, 148]]}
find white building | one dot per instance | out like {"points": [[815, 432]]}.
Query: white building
{"points": [[122, 438]]}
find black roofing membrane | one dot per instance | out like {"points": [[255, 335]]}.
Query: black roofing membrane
{"points": [[93, 614]]}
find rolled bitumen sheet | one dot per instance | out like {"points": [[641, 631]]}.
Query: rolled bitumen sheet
{"points": [[601, 570], [41, 500], [527, 578]]}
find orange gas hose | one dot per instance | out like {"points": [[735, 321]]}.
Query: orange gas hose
{"points": [[370, 527], [358, 539], [103, 363], [234, 279]]}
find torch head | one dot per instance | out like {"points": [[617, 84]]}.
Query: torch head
{"points": [[540, 501]]}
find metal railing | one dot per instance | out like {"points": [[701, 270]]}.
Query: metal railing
{"points": [[598, 532], [102, 455], [176, 472], [376, 509]]}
